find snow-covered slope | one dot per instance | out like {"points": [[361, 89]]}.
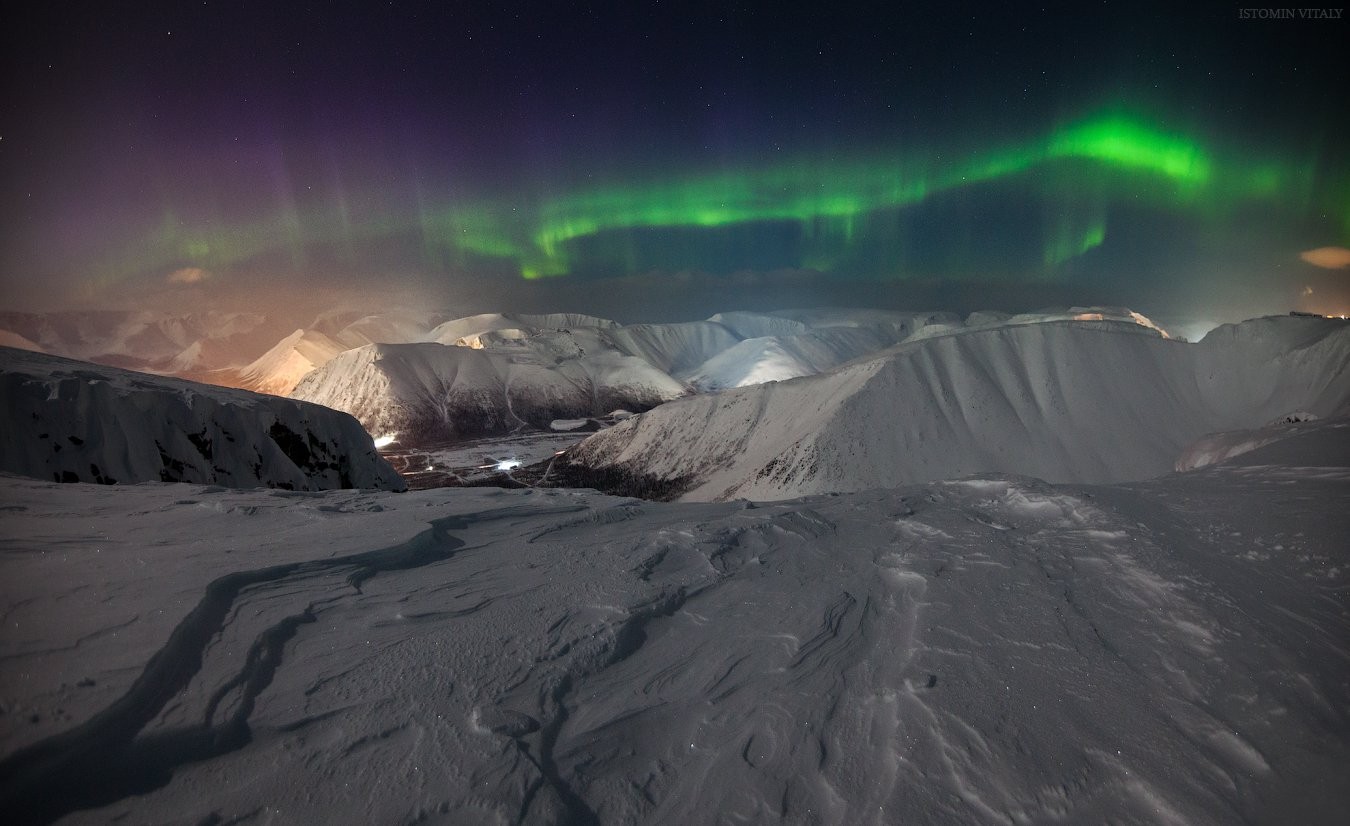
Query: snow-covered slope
{"points": [[279, 369], [433, 392], [674, 348], [141, 338], [74, 421], [1060, 400], [991, 650], [393, 327], [782, 357], [1296, 428], [451, 332], [9, 338]]}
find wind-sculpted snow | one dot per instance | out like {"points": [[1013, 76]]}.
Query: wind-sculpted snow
{"points": [[1063, 400], [985, 650], [73, 421]]}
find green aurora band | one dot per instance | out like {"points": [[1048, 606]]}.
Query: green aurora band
{"points": [[1081, 169]]}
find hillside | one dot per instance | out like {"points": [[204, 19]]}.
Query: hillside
{"points": [[1064, 401], [433, 392], [70, 421]]}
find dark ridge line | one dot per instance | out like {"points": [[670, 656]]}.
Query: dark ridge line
{"points": [[578, 812], [630, 636], [102, 761]]}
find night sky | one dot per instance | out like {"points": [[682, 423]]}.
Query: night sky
{"points": [[757, 154]]}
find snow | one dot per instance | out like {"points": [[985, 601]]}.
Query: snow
{"points": [[1067, 401], [474, 462], [568, 424], [991, 649], [778, 358], [279, 369], [9, 338], [732, 349], [75, 421], [402, 327], [143, 339], [431, 392], [574, 365], [923, 634], [1296, 434], [451, 332]]}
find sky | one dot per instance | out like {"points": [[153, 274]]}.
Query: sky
{"points": [[649, 159]]}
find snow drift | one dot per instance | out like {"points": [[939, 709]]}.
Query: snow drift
{"points": [[991, 650], [1060, 400], [72, 421]]}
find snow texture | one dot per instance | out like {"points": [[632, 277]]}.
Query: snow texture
{"points": [[72, 421], [986, 650]]}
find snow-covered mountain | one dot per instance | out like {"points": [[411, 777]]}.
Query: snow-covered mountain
{"points": [[1066, 401], [564, 366], [215, 345], [279, 369], [988, 650], [435, 392], [145, 339], [73, 421], [466, 330], [357, 328]]}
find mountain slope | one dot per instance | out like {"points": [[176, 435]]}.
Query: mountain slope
{"points": [[450, 332], [1063, 401], [72, 421], [433, 392], [279, 369]]}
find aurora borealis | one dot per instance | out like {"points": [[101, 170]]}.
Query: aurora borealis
{"points": [[523, 145], [831, 210]]}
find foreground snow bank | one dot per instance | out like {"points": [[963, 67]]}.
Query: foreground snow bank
{"points": [[987, 650], [73, 421]]}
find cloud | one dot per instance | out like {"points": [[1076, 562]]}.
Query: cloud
{"points": [[1331, 258], [189, 275]]}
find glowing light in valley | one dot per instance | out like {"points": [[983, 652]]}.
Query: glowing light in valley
{"points": [[386, 440], [508, 464]]}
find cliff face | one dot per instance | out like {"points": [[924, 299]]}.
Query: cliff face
{"points": [[71, 421]]}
